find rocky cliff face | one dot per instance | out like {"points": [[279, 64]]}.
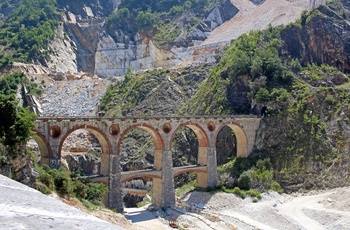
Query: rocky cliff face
{"points": [[118, 51], [323, 38], [18, 165], [86, 46]]}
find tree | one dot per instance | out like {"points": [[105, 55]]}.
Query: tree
{"points": [[15, 122]]}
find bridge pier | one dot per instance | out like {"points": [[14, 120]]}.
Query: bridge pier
{"points": [[55, 159], [212, 172], [168, 190], [202, 178], [115, 186]]}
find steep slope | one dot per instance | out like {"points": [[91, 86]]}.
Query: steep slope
{"points": [[306, 135], [269, 12], [90, 38]]}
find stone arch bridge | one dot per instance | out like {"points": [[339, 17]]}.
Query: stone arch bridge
{"points": [[51, 132]]}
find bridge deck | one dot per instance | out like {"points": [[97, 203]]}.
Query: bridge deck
{"points": [[92, 118]]}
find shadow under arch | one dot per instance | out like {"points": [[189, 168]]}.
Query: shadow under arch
{"points": [[241, 137], [44, 147], [103, 140]]}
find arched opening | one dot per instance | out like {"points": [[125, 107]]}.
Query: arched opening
{"points": [[226, 145], [184, 153], [40, 146], [231, 150], [190, 151], [137, 191], [141, 148], [235, 133], [85, 150]]}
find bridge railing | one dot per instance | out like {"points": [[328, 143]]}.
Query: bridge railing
{"points": [[136, 118]]}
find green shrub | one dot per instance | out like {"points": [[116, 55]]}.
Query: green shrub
{"points": [[95, 192], [263, 95], [80, 189], [236, 190], [330, 100], [28, 30], [244, 181], [63, 183], [254, 193], [275, 186], [42, 188], [47, 179], [280, 94]]}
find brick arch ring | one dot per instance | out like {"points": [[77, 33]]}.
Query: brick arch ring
{"points": [[44, 145], [201, 135], [241, 137], [189, 170], [99, 134], [156, 137]]}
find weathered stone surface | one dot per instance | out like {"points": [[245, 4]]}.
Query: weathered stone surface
{"points": [[99, 53], [22, 207], [64, 55], [324, 39], [89, 164]]}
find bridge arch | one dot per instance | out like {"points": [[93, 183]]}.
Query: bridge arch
{"points": [[44, 147], [241, 137], [101, 137], [203, 144], [157, 141], [202, 137], [195, 170], [157, 138], [142, 176]]}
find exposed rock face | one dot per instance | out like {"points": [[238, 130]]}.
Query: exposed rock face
{"points": [[23, 170], [86, 36], [19, 168], [114, 56], [89, 8], [324, 39], [89, 49], [64, 53], [88, 163]]}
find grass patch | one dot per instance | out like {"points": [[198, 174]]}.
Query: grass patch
{"points": [[186, 188]]}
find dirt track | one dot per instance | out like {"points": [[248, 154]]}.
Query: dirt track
{"points": [[316, 210]]}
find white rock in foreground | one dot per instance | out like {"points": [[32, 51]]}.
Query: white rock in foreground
{"points": [[22, 207]]}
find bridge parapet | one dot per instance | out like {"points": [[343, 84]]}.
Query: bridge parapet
{"points": [[142, 118]]}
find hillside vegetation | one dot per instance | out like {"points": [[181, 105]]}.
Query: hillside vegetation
{"points": [[304, 141], [164, 21], [27, 30]]}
